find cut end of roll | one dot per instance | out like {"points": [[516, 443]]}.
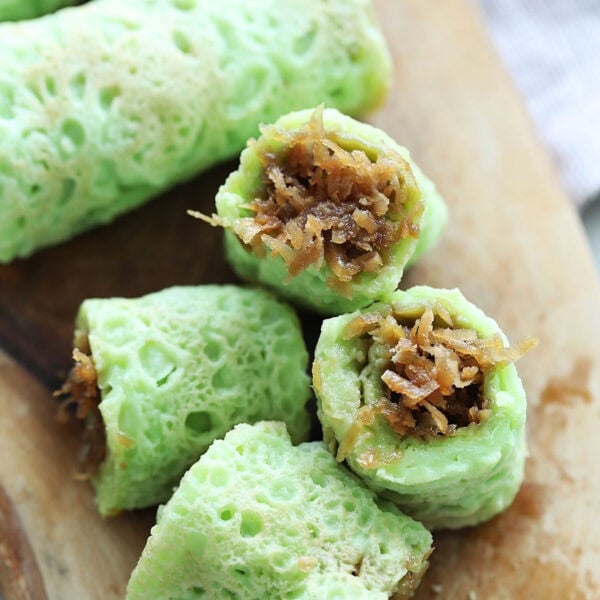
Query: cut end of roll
{"points": [[433, 372], [323, 200], [81, 398]]}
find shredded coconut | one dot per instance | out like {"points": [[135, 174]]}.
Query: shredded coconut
{"points": [[433, 378], [81, 391]]}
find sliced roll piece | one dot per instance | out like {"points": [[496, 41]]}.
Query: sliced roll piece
{"points": [[420, 396], [258, 518], [158, 378], [328, 211], [104, 106], [15, 10]]}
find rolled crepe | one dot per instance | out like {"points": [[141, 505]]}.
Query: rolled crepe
{"points": [[419, 395], [14, 10], [104, 106], [258, 518], [174, 370], [328, 211]]}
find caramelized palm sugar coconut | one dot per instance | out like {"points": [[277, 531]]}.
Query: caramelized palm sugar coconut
{"points": [[320, 201], [432, 373], [80, 392]]}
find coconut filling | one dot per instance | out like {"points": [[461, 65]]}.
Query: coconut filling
{"points": [[81, 398], [432, 374], [319, 202]]}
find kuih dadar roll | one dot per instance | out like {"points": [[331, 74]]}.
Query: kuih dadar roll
{"points": [[258, 518], [158, 378], [105, 105], [327, 211], [419, 395]]}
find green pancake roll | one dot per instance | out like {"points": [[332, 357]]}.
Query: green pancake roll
{"points": [[15, 10], [108, 104], [258, 518], [327, 211], [158, 378], [419, 395]]}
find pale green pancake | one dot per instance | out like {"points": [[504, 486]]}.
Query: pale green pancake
{"points": [[444, 481], [257, 518], [177, 369], [106, 105], [310, 287]]}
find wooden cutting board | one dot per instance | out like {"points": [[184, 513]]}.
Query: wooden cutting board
{"points": [[513, 245]]}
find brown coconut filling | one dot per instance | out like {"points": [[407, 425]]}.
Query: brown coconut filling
{"points": [[321, 203], [81, 399], [433, 375]]}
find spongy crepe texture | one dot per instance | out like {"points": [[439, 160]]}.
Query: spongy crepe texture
{"points": [[14, 10], [105, 105], [445, 482], [258, 518], [177, 369], [309, 288]]}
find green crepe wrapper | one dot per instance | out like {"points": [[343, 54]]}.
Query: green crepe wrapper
{"points": [[445, 482], [309, 288], [104, 106], [258, 518], [177, 369], [14, 10]]}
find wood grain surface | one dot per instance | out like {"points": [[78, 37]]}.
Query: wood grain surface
{"points": [[20, 577], [513, 245]]}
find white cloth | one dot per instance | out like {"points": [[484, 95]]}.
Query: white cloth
{"points": [[552, 48]]}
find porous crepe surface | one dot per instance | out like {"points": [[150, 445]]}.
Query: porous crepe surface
{"points": [[13, 10], [258, 518], [309, 288], [105, 105], [177, 369], [444, 481]]}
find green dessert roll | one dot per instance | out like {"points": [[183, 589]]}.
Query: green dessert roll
{"points": [[158, 378], [106, 105], [419, 395], [15, 10], [326, 210], [258, 518]]}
